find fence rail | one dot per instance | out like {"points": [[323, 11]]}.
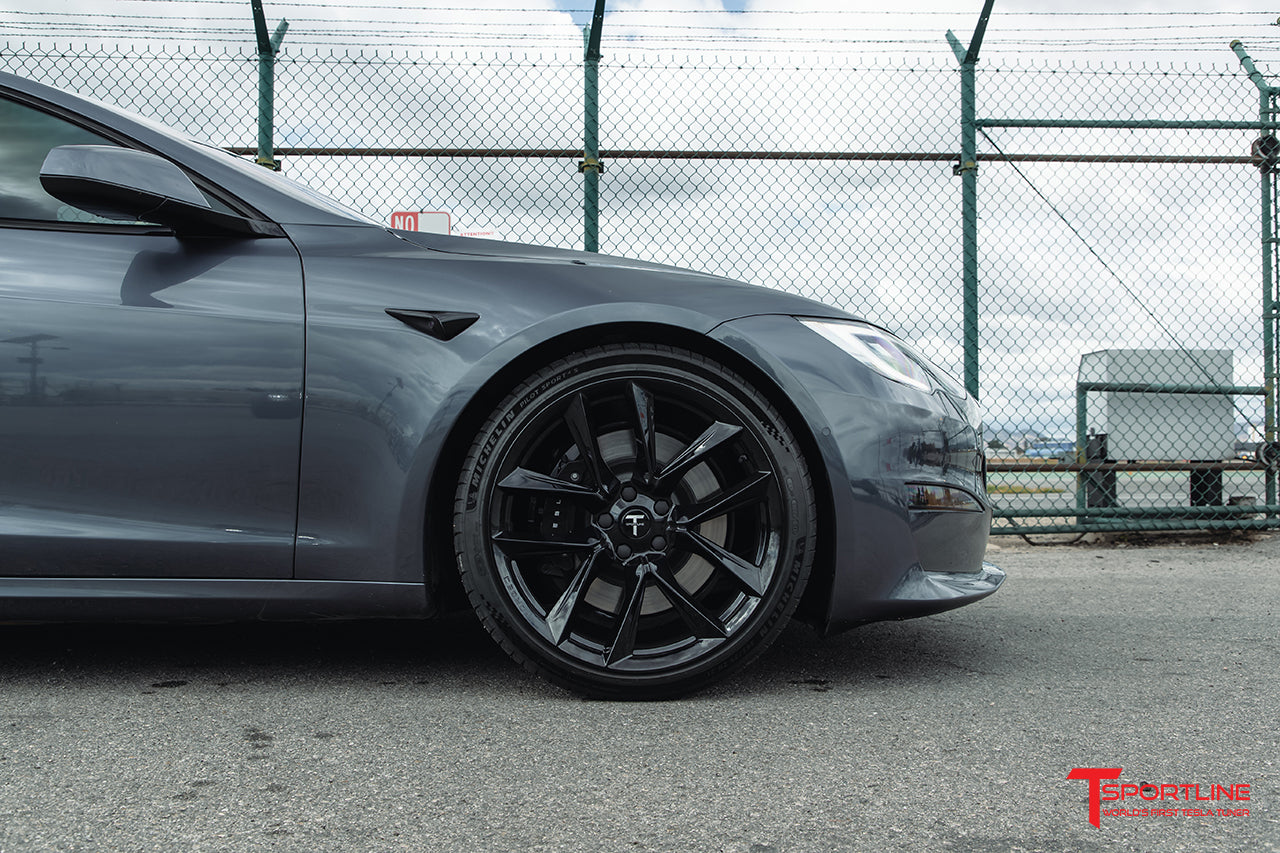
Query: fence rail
{"points": [[653, 154]]}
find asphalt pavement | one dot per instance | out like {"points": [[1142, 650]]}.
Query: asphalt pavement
{"points": [[951, 733]]}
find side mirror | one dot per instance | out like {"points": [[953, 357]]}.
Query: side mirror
{"points": [[135, 186]]}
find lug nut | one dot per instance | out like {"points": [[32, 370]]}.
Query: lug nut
{"points": [[629, 493], [659, 543], [662, 507], [605, 520], [624, 551]]}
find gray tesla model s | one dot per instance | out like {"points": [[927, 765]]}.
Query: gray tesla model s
{"points": [[224, 396]]}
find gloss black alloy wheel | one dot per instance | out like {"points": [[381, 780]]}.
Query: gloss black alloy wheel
{"points": [[634, 522]]}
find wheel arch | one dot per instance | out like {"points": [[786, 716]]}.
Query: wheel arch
{"points": [[440, 569]]}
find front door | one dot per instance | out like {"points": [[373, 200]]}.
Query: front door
{"points": [[150, 387]]}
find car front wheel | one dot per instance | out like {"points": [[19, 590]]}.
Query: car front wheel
{"points": [[634, 521]]}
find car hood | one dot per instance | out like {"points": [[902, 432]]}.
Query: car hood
{"points": [[709, 294], [524, 251]]}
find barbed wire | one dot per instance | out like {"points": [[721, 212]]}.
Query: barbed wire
{"points": [[400, 7], [1202, 31], [95, 16]]}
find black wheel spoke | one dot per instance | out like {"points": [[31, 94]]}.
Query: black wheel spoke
{"points": [[632, 599], [703, 625], [750, 491], [646, 433], [584, 437], [748, 574], [714, 436], [524, 480], [516, 547], [559, 615]]}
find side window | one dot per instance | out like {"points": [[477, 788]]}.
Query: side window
{"points": [[29, 135]]}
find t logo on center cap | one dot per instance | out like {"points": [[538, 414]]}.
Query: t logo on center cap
{"points": [[636, 522]]}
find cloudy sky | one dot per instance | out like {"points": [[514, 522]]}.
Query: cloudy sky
{"points": [[1075, 258]]}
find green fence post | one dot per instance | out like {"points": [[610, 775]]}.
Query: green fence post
{"points": [[968, 170], [591, 167], [1082, 439], [1266, 113], [268, 47], [1270, 305]]}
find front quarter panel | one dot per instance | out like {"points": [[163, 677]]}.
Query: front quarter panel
{"points": [[382, 398]]}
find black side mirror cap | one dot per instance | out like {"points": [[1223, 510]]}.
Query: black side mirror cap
{"points": [[135, 186]]}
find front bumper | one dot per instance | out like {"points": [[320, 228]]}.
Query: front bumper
{"points": [[887, 554], [920, 592]]}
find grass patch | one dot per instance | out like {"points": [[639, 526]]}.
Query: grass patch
{"points": [[1013, 489]]}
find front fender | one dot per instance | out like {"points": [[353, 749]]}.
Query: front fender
{"points": [[382, 398]]}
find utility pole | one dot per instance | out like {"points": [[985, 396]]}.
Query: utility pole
{"points": [[268, 47]]}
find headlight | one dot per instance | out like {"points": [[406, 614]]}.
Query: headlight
{"points": [[878, 350], [896, 360]]}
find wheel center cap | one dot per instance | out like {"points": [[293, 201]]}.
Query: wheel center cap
{"points": [[636, 523]]}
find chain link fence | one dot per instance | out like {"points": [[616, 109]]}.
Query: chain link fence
{"points": [[1121, 315]]}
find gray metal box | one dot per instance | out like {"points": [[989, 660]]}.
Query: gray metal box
{"points": [[1162, 426]]}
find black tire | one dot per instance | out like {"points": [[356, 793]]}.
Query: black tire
{"points": [[634, 522]]}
